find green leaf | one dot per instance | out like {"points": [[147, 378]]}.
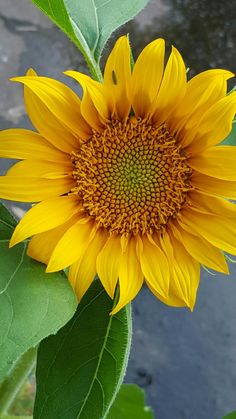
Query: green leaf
{"points": [[89, 23], [130, 403], [95, 20], [56, 11], [231, 139], [80, 370], [33, 304], [232, 415]]}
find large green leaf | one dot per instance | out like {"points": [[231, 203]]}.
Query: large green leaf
{"points": [[33, 304], [56, 11], [80, 370], [89, 23], [129, 404], [95, 20]]}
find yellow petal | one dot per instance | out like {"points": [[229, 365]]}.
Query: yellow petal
{"points": [[25, 144], [71, 246], [172, 299], [25, 189], [147, 76], [98, 93], [62, 102], [180, 294], [117, 76], [214, 186], [172, 89], [40, 168], [42, 245], [82, 272], [108, 264], [202, 92], [90, 112], [45, 216], [130, 276], [214, 126], [154, 265], [185, 274], [217, 162], [219, 231], [201, 250], [212, 204], [48, 123]]}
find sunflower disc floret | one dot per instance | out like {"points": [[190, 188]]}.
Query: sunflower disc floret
{"points": [[132, 178]]}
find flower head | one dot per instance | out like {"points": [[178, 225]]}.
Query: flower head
{"points": [[131, 181]]}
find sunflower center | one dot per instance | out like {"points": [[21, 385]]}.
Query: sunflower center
{"points": [[132, 177]]}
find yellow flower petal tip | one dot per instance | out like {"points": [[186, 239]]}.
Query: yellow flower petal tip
{"points": [[52, 268], [113, 312], [13, 242], [31, 72], [130, 181], [17, 78]]}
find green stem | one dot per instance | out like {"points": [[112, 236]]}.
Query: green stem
{"points": [[16, 378], [94, 69], [93, 65]]}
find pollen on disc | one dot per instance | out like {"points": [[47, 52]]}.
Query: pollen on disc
{"points": [[132, 178]]}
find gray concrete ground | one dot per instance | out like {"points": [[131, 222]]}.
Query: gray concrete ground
{"points": [[185, 361]]}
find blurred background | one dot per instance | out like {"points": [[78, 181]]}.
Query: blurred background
{"points": [[186, 362]]}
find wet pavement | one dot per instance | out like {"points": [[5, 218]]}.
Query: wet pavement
{"points": [[186, 362]]}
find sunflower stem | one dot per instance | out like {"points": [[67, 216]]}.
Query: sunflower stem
{"points": [[93, 66], [95, 70], [10, 387]]}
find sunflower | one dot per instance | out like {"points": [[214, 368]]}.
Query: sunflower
{"points": [[130, 183]]}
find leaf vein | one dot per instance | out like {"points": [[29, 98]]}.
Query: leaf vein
{"points": [[15, 271], [97, 368]]}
